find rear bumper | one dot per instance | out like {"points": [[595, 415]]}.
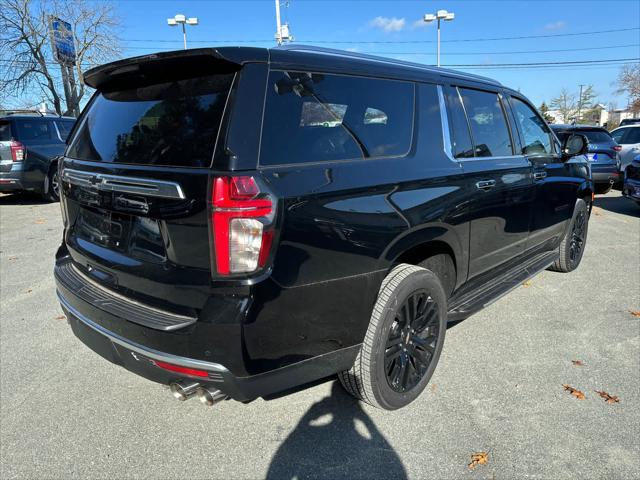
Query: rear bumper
{"points": [[111, 337], [11, 177], [606, 176]]}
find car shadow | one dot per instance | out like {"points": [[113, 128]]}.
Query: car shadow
{"points": [[21, 198], [336, 439], [618, 204]]}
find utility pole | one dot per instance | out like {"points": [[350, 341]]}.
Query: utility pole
{"points": [[282, 30], [580, 103]]}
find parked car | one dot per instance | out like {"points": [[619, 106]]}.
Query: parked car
{"points": [[629, 139], [631, 188], [239, 222], [629, 121], [30, 143], [603, 154]]}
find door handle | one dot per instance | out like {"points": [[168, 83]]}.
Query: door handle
{"points": [[539, 175], [486, 184]]}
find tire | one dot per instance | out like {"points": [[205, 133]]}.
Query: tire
{"points": [[51, 189], [412, 347], [602, 189], [573, 244]]}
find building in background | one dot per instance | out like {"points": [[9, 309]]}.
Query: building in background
{"points": [[597, 115]]}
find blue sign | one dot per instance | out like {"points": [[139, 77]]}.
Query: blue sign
{"points": [[64, 48]]}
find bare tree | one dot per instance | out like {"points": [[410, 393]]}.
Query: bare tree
{"points": [[629, 83], [28, 66], [565, 104]]}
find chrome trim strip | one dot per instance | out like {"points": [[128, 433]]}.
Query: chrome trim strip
{"points": [[135, 347], [118, 183], [444, 119]]}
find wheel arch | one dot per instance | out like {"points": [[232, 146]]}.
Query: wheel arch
{"points": [[419, 245]]}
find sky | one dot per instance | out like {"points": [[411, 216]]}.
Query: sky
{"points": [[350, 25], [483, 35]]}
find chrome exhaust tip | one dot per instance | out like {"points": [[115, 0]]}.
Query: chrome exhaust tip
{"points": [[183, 390], [211, 396]]}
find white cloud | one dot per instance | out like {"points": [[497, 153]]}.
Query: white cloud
{"points": [[555, 25], [421, 24], [388, 24]]}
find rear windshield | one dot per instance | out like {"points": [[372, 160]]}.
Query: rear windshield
{"points": [[173, 123], [596, 136]]}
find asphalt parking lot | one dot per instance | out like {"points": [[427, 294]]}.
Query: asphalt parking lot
{"points": [[67, 413]]}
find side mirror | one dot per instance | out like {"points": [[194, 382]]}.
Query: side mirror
{"points": [[574, 144]]}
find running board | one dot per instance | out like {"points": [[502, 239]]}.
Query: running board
{"points": [[467, 303]]}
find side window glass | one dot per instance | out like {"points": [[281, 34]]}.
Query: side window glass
{"points": [[314, 117], [488, 125], [632, 136], [536, 137], [460, 138], [618, 134], [35, 131]]}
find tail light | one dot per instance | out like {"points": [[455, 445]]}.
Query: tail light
{"points": [[617, 148], [193, 372], [17, 151], [241, 219]]}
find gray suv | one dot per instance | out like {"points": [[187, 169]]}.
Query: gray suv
{"points": [[30, 143]]}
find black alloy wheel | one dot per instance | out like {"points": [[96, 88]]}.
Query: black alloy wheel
{"points": [[578, 237], [412, 341]]}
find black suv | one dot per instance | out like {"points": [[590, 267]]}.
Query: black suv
{"points": [[30, 141], [240, 222]]}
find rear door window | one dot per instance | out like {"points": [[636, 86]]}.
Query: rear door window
{"points": [[536, 136], [487, 121], [314, 117], [461, 143], [173, 123]]}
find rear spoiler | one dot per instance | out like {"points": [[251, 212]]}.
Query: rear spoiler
{"points": [[167, 66]]}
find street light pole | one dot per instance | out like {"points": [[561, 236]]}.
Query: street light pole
{"points": [[580, 103], [439, 15], [181, 20], [282, 31]]}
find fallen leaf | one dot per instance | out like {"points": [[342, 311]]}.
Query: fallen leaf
{"points": [[527, 283], [635, 313], [11, 259], [608, 398], [578, 363], [574, 391], [479, 458], [60, 317], [40, 221], [596, 211], [28, 291], [433, 387]]}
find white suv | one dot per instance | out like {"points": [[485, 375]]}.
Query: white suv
{"points": [[628, 137]]}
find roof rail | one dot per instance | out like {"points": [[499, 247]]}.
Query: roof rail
{"points": [[18, 111], [387, 60]]}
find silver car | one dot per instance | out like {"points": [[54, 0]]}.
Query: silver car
{"points": [[628, 137]]}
